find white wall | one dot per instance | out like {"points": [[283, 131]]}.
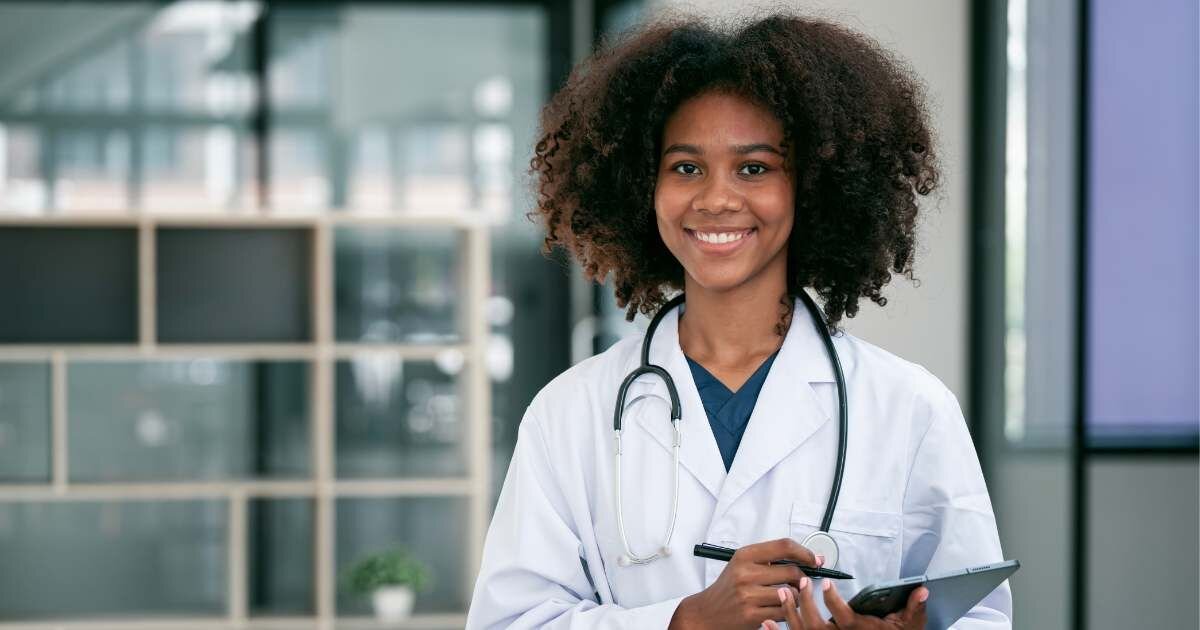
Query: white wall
{"points": [[926, 324]]}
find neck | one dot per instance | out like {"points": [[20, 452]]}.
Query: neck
{"points": [[733, 327]]}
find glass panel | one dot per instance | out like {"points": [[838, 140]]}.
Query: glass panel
{"points": [[298, 178], [64, 560], [93, 169], [97, 78], [189, 169], [93, 272], [303, 41], [117, 105], [187, 420], [280, 556], [1142, 369], [436, 162], [493, 146], [24, 422], [432, 529], [400, 419], [22, 187], [370, 173], [360, 142], [396, 285], [196, 57], [233, 285]]}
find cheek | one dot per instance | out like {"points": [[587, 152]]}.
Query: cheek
{"points": [[669, 208], [782, 209]]}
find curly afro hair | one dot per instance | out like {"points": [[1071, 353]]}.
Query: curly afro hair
{"points": [[856, 134]]}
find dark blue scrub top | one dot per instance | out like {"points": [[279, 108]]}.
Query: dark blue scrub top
{"points": [[729, 412]]}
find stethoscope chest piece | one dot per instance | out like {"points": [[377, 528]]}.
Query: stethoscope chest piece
{"points": [[822, 544]]}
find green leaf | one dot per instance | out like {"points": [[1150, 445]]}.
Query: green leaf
{"points": [[393, 567]]}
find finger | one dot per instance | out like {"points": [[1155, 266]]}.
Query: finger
{"points": [[765, 597], [841, 612], [808, 604], [769, 624], [914, 604], [780, 549], [790, 613], [914, 612], [921, 619], [773, 574]]}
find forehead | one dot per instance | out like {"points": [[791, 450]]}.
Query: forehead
{"points": [[717, 118]]}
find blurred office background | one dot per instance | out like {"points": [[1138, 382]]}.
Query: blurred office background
{"points": [[269, 302]]}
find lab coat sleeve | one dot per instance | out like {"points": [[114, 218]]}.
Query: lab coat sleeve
{"points": [[948, 518], [532, 575]]}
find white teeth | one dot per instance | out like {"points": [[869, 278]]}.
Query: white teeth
{"points": [[720, 237]]}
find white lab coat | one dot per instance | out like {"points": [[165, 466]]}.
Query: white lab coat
{"points": [[913, 498]]}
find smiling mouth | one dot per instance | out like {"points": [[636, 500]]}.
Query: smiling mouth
{"points": [[719, 241]]}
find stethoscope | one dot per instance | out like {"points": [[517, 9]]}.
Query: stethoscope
{"points": [[819, 542]]}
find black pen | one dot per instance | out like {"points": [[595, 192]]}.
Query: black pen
{"points": [[725, 554]]}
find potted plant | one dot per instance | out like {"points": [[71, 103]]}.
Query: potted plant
{"points": [[391, 578]]}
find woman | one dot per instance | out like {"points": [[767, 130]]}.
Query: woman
{"points": [[740, 167]]}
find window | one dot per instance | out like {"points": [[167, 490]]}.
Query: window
{"points": [[271, 280]]}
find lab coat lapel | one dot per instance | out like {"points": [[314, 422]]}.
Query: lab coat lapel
{"points": [[787, 412], [698, 452]]}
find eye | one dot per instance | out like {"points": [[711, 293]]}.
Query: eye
{"points": [[755, 169], [682, 168]]}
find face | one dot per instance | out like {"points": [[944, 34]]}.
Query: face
{"points": [[724, 199]]}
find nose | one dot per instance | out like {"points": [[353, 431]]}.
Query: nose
{"points": [[718, 195]]}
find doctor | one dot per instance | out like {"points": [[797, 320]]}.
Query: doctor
{"points": [[740, 167]]}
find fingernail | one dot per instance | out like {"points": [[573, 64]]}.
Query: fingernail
{"points": [[825, 584], [820, 560], [783, 594], [924, 595], [804, 582]]}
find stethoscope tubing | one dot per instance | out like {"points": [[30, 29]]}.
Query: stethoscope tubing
{"points": [[646, 367], [839, 468]]}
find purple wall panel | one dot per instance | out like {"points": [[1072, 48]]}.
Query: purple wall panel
{"points": [[1143, 342]]}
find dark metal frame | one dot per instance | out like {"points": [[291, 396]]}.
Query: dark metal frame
{"points": [[1079, 503], [986, 256]]}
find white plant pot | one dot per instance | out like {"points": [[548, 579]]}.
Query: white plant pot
{"points": [[393, 603]]}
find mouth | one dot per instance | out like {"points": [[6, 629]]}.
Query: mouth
{"points": [[720, 242]]}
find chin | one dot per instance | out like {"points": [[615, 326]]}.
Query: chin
{"points": [[719, 282]]}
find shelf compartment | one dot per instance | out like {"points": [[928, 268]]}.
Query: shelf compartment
{"points": [[68, 285], [99, 559], [24, 422], [189, 420], [233, 285], [432, 529]]}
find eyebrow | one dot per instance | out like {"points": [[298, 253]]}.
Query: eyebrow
{"points": [[740, 149]]}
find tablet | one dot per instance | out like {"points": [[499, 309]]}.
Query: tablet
{"points": [[951, 594]]}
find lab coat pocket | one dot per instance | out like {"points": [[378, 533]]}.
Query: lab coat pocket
{"points": [[869, 542]]}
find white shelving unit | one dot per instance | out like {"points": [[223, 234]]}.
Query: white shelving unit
{"points": [[321, 353]]}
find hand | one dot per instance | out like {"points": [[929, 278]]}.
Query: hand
{"points": [[746, 591], [844, 618]]}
